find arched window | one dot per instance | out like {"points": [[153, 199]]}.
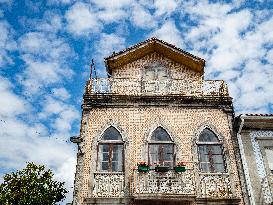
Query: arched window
{"points": [[161, 148], [110, 151], [210, 151]]}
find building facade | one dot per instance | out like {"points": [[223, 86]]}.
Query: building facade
{"points": [[157, 109], [255, 137]]}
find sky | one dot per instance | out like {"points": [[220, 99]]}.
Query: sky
{"points": [[46, 48]]}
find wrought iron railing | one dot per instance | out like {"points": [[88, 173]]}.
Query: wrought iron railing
{"points": [[108, 185], [168, 183], [130, 86]]}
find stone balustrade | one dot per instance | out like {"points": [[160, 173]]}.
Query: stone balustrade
{"points": [[130, 86], [215, 186], [108, 185], [169, 183]]}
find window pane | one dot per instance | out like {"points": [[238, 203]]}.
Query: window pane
{"points": [[208, 136], [160, 135], [167, 152], [161, 153], [117, 159], [216, 149], [154, 154], [105, 148], [111, 133], [205, 167], [203, 149], [115, 166], [204, 158], [219, 167], [217, 159], [104, 166], [105, 157], [169, 164]]}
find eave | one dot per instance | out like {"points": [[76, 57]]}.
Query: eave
{"points": [[154, 45]]}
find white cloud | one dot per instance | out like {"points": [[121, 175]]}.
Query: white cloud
{"points": [[46, 59], [60, 2], [61, 93], [10, 103], [142, 18], [163, 6], [107, 44], [111, 15], [51, 22], [169, 33], [113, 10], [27, 141], [233, 44], [7, 44], [269, 56], [112, 4], [61, 115], [82, 20]]}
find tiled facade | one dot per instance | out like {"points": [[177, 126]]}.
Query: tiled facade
{"points": [[255, 136], [136, 115]]}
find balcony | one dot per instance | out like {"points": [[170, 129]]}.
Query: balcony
{"points": [[135, 87], [108, 185], [169, 184], [215, 186]]}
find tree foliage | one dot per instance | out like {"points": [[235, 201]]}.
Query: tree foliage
{"points": [[32, 185]]}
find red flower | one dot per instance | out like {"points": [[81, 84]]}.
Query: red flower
{"points": [[181, 164], [142, 164]]}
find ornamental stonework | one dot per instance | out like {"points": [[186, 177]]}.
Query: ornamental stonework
{"points": [[156, 91], [136, 125], [135, 69]]}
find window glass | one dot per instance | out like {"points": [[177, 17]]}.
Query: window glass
{"points": [[208, 136], [216, 149], [161, 148], [219, 167], [110, 155], [111, 134], [203, 149], [217, 159], [160, 135], [205, 167], [211, 158]]}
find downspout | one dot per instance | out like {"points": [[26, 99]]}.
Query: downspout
{"points": [[244, 161]]}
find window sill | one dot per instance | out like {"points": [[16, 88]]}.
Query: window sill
{"points": [[214, 173], [106, 172]]}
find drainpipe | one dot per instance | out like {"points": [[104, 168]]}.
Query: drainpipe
{"points": [[245, 167]]}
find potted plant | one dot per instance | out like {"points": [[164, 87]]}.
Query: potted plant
{"points": [[161, 168], [143, 167], [180, 167]]}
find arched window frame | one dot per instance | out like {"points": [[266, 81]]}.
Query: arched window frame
{"points": [[210, 146], [160, 147], [112, 145]]}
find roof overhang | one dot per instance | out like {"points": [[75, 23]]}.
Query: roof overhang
{"points": [[255, 122], [154, 45]]}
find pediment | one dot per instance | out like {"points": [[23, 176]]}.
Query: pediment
{"points": [[154, 45]]}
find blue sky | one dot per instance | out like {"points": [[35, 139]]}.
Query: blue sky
{"points": [[46, 48]]}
